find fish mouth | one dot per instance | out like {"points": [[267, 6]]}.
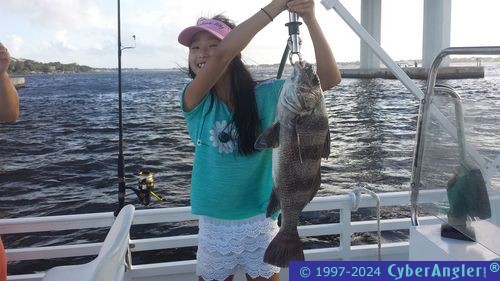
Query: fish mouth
{"points": [[308, 85], [301, 92], [299, 66], [306, 74]]}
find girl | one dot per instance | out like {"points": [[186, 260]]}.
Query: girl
{"points": [[226, 110]]}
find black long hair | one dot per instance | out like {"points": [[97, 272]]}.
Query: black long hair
{"points": [[245, 116]]}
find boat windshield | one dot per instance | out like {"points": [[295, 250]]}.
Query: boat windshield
{"points": [[462, 169]]}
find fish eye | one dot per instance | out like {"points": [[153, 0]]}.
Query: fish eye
{"points": [[315, 80]]}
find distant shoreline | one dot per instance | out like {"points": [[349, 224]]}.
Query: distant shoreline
{"points": [[344, 65]]}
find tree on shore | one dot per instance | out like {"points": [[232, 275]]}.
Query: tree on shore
{"points": [[18, 66]]}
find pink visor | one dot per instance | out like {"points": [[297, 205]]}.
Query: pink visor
{"points": [[215, 27]]}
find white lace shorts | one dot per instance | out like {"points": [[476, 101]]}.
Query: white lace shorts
{"points": [[226, 245]]}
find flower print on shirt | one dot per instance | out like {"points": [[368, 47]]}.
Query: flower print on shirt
{"points": [[222, 136]]}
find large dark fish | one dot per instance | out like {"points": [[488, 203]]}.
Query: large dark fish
{"points": [[300, 137]]}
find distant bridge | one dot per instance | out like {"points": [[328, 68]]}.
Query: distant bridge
{"points": [[436, 30]]}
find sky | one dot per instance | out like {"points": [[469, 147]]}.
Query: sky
{"points": [[85, 31]]}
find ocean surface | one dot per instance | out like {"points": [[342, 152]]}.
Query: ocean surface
{"points": [[61, 156]]}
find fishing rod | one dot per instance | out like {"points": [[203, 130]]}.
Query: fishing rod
{"points": [[293, 44], [146, 181], [121, 159]]}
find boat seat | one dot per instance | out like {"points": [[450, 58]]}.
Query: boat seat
{"points": [[109, 265]]}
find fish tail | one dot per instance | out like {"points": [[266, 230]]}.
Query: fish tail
{"points": [[285, 247], [273, 205]]}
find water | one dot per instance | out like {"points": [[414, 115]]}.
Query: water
{"points": [[61, 156]]}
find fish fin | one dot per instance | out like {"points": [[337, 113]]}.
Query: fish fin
{"points": [[285, 247], [274, 204], [269, 138], [326, 146], [315, 185]]}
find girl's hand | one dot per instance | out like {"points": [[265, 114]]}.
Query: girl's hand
{"points": [[304, 8], [4, 59], [281, 4]]}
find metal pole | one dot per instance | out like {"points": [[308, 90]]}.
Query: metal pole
{"points": [[293, 31], [294, 39]]}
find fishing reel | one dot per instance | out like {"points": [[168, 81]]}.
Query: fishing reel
{"points": [[145, 188]]}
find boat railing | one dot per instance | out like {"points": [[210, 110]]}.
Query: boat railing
{"points": [[344, 228], [468, 176], [427, 109]]}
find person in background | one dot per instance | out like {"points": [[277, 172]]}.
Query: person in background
{"points": [[9, 112], [9, 99], [226, 110]]}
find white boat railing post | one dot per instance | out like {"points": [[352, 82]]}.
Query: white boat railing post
{"points": [[345, 235]]}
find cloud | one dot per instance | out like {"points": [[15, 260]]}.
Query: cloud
{"points": [[16, 43], [62, 41], [62, 30], [69, 14]]}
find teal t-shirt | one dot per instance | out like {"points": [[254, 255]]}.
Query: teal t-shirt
{"points": [[224, 183]]}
